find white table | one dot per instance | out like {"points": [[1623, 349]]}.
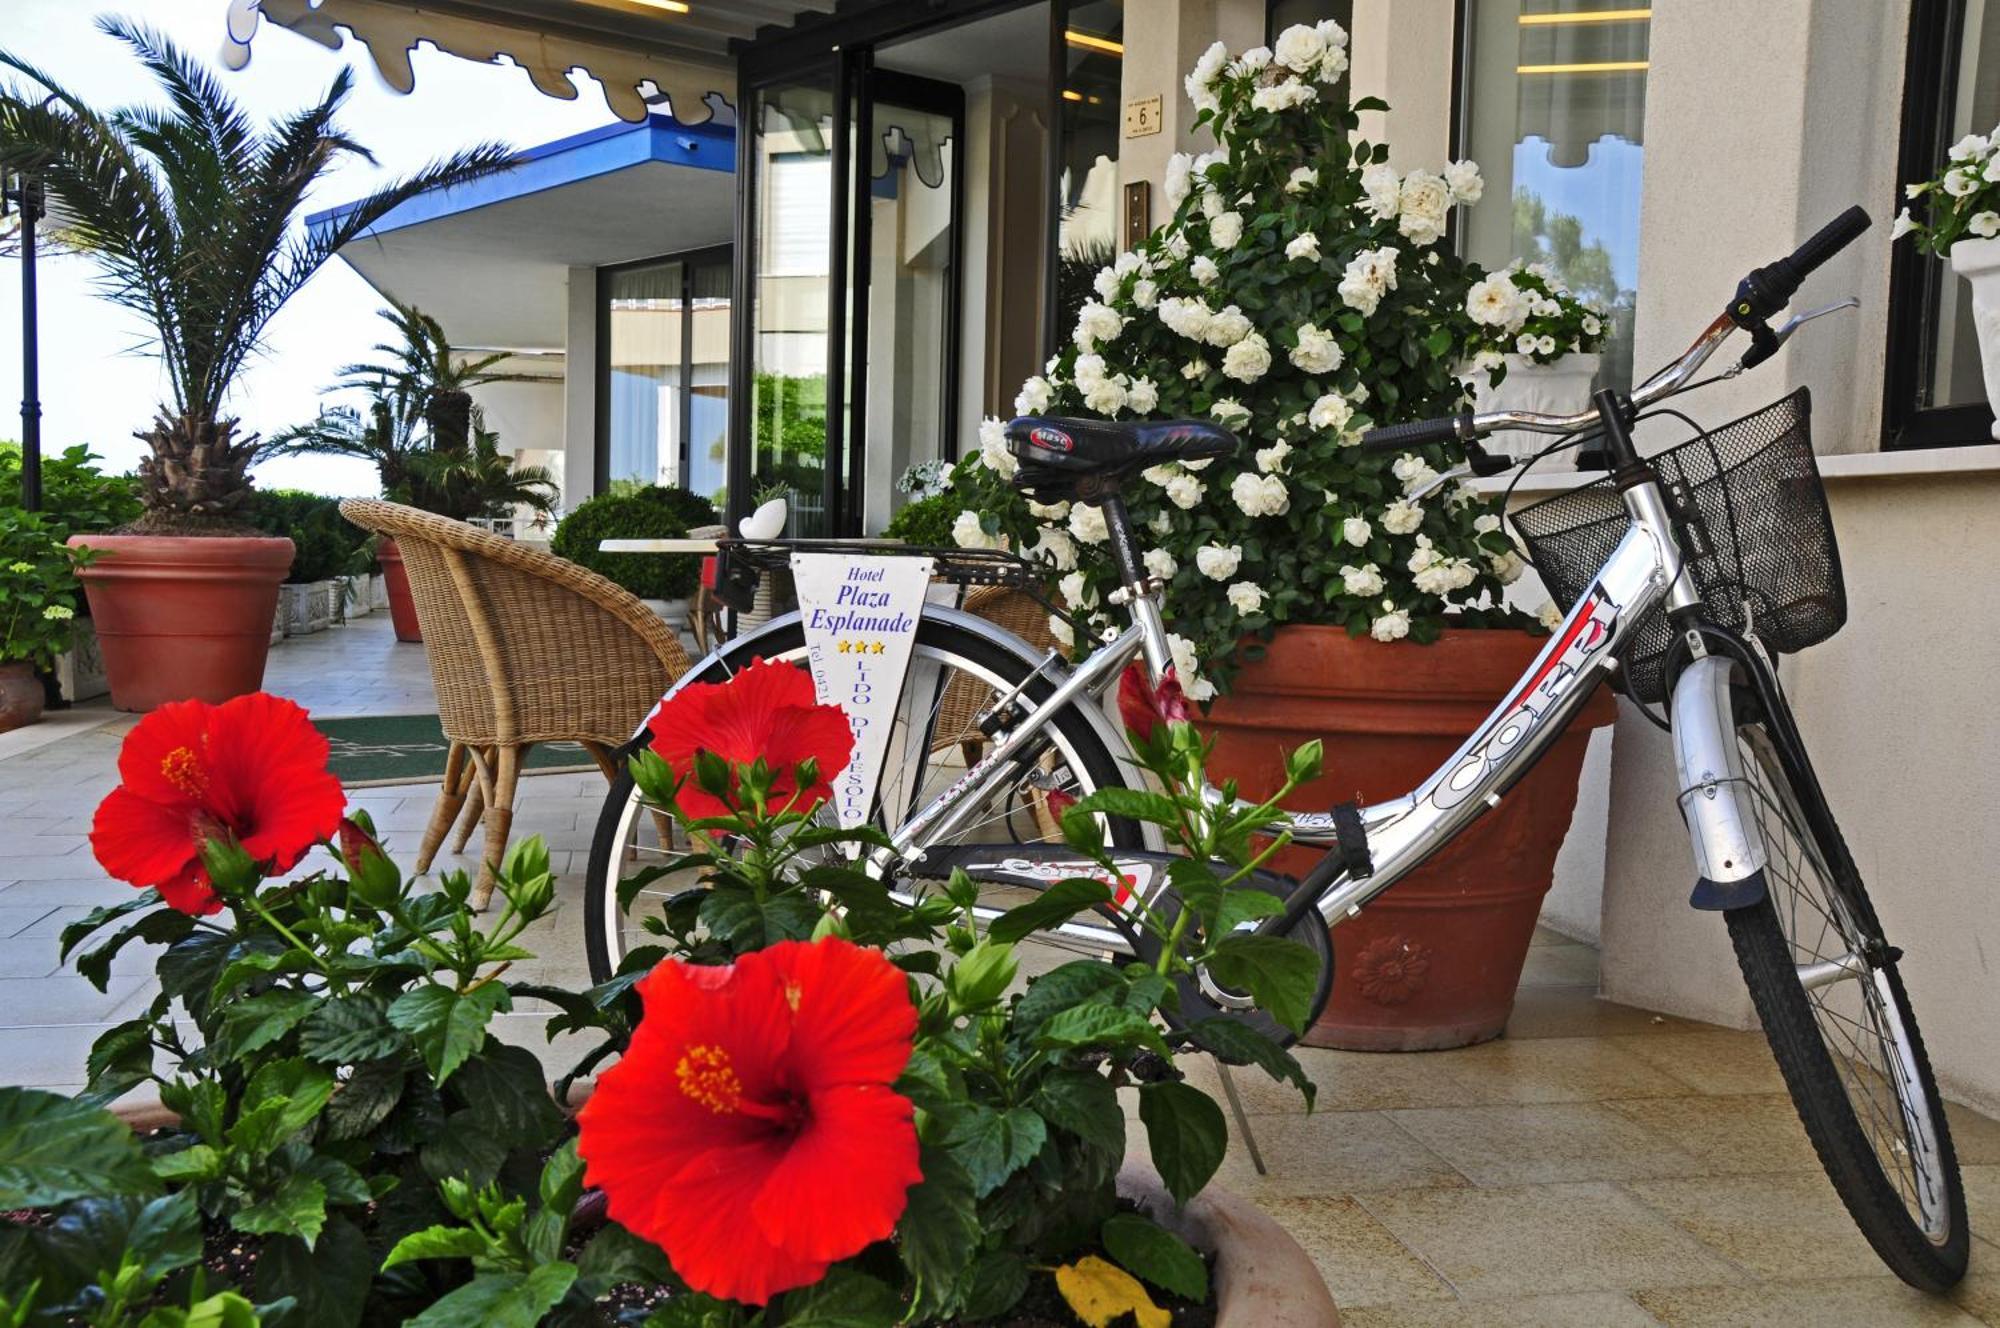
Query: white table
{"points": [[657, 546]]}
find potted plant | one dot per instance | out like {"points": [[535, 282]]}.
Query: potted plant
{"points": [[38, 588], [1301, 291], [1538, 350], [1961, 207], [427, 440], [191, 213], [77, 499], [638, 512]]}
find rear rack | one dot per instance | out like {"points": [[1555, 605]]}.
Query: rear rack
{"points": [[740, 563]]}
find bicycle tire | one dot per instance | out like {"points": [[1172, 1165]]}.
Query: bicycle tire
{"points": [[1927, 1247], [1197, 1004], [942, 641]]}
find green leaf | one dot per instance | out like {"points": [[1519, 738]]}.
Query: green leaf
{"points": [[297, 1088], [939, 1229], [447, 1025], [1052, 907], [296, 1208], [1074, 983], [1084, 1103], [1148, 1250], [329, 1280], [614, 1255], [500, 1300], [1239, 1044], [121, 1058], [1186, 1134], [844, 1298], [437, 1243], [1281, 975], [1135, 804], [74, 934], [1245, 904], [363, 1100], [166, 1234], [999, 1280], [201, 1162], [506, 1092], [349, 1030], [992, 1145], [264, 1018], [1100, 1026], [54, 1148], [458, 1150]]}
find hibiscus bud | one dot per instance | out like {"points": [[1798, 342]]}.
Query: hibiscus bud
{"points": [[807, 772], [1302, 764], [1143, 706], [525, 877], [231, 870], [712, 775], [655, 779], [373, 878], [1083, 831]]}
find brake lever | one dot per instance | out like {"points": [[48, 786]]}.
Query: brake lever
{"points": [[1764, 347]]}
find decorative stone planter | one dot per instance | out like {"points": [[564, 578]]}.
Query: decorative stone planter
{"points": [[378, 593], [80, 669], [1433, 962], [1562, 388], [308, 606], [1978, 261], [21, 696], [351, 598]]}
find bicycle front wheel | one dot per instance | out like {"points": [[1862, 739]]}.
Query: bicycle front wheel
{"points": [[1842, 1030], [955, 674]]}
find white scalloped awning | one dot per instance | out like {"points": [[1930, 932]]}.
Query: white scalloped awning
{"points": [[641, 50]]}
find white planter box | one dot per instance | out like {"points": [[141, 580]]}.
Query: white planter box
{"points": [[351, 598], [1978, 261], [673, 612], [80, 669], [307, 607], [278, 618], [378, 592], [1562, 388]]}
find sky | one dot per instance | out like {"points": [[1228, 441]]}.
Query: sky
{"points": [[97, 385]]}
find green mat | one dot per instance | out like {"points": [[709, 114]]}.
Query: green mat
{"points": [[410, 749]]}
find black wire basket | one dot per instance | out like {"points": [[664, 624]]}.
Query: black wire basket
{"points": [[1753, 520]]}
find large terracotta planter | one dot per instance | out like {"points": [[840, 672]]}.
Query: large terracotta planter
{"points": [[1433, 962], [402, 606], [181, 617], [21, 696]]}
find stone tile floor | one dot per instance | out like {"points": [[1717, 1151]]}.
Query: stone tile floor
{"points": [[1598, 1166]]}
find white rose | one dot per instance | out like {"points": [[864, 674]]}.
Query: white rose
{"points": [[1184, 491], [1105, 397], [1271, 460], [1076, 592], [1226, 230], [1317, 351], [1177, 246], [1550, 616], [967, 533], [1200, 79], [1413, 471], [1059, 628], [1363, 580], [1424, 203], [1055, 547], [1204, 270], [1187, 668], [1334, 35], [1187, 318], [1392, 625], [1089, 371], [1402, 517], [1356, 531], [993, 451], [1194, 370], [1382, 189], [1302, 179], [1255, 59], [1105, 283], [1260, 495], [1226, 327], [1486, 524], [1299, 48], [1228, 410], [1145, 293], [1212, 205], [1218, 562], [1369, 275], [1097, 322], [1283, 95], [1086, 522], [1508, 567], [1488, 360], [1160, 563], [1143, 396], [1305, 246], [1178, 181], [1984, 224], [1247, 360], [1245, 597], [1331, 411], [1162, 524], [1033, 398], [1464, 181], [1495, 301]]}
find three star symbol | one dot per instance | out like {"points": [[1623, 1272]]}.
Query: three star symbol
{"points": [[846, 647]]}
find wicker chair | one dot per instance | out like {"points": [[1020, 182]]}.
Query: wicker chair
{"points": [[525, 648]]}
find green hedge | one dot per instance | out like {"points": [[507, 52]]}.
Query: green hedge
{"points": [[651, 512], [926, 521], [77, 497], [326, 545]]}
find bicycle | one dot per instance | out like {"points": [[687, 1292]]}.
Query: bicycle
{"points": [[1679, 575]]}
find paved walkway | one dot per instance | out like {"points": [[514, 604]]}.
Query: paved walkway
{"points": [[1599, 1166]]}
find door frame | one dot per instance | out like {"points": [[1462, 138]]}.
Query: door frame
{"points": [[689, 259]]}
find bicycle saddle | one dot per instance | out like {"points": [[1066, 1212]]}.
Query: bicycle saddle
{"points": [[1112, 447]]}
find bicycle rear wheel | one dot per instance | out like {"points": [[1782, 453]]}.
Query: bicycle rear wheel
{"points": [[1842, 1030], [954, 675]]}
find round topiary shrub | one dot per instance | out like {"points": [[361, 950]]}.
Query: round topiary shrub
{"points": [[926, 522], [652, 512]]}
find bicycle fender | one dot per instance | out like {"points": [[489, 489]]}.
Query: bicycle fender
{"points": [[1729, 850]]}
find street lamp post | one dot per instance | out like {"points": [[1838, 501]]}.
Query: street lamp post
{"points": [[25, 193]]}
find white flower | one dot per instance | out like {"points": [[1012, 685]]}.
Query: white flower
{"points": [[1226, 327], [1527, 343], [1543, 307], [993, 451], [1097, 322], [1059, 628], [1464, 181], [1958, 182], [1076, 592], [1145, 293], [967, 534], [1413, 471], [1383, 190], [1188, 318], [1546, 345], [1335, 35], [1247, 360], [1488, 360], [1402, 517], [1332, 65], [1200, 79], [1283, 95], [1905, 223], [1984, 224], [1160, 563], [1184, 491], [58, 613], [1302, 179], [1260, 495], [1177, 246], [1227, 410], [1299, 48], [1187, 669], [1055, 547], [1424, 203], [1331, 411], [1246, 597], [1106, 396], [1218, 562], [1317, 351], [1393, 625], [1551, 617], [1436, 574], [1369, 275], [1089, 371], [1970, 148], [1496, 302], [1178, 180], [1142, 396], [1086, 522], [1194, 369], [1255, 59], [1486, 524], [1204, 270], [1356, 531], [1048, 511], [1033, 398], [1508, 567], [1363, 580], [1160, 474], [1304, 245], [1225, 230], [1271, 460], [1591, 325], [1105, 283], [1202, 464]]}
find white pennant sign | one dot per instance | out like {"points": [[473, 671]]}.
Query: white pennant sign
{"points": [[860, 613]]}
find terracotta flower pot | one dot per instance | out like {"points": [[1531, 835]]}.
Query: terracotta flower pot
{"points": [[402, 608], [1433, 962], [21, 696], [182, 617]]}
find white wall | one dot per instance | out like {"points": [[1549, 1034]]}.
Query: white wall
{"points": [[579, 396]]}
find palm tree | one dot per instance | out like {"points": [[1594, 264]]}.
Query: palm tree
{"points": [[479, 480], [189, 210], [426, 365]]}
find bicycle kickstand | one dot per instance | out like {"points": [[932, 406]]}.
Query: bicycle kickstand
{"points": [[1228, 1078]]}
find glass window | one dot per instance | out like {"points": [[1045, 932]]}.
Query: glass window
{"points": [[1554, 113], [1952, 376], [667, 372], [1087, 150], [1283, 14]]}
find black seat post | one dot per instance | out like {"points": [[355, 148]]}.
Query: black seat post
{"points": [[1118, 522]]}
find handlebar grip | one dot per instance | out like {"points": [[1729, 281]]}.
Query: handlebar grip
{"points": [[1771, 287], [1398, 437]]}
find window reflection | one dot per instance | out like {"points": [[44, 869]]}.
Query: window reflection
{"points": [[667, 380], [1087, 198]]}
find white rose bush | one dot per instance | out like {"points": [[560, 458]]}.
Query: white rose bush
{"points": [[1300, 294]]}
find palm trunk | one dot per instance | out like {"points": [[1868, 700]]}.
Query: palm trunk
{"points": [[197, 475], [449, 416]]}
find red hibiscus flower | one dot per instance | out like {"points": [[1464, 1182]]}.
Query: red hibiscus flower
{"points": [[1142, 705], [253, 768], [750, 1130], [767, 710]]}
